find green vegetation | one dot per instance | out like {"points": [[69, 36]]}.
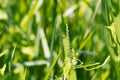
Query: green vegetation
{"points": [[59, 40]]}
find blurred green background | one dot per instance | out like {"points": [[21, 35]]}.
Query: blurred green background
{"points": [[32, 33]]}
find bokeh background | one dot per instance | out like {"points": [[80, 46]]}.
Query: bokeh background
{"points": [[32, 33]]}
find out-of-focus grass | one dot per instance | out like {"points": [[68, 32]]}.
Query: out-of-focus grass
{"points": [[32, 34]]}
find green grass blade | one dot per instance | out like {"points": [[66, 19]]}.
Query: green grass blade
{"points": [[25, 21], [44, 43], [84, 42], [51, 68], [3, 53], [37, 42]]}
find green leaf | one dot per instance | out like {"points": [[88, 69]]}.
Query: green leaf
{"points": [[117, 26], [84, 42], [72, 75], [25, 21], [2, 71], [3, 53], [51, 68]]}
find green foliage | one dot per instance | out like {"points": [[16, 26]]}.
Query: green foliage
{"points": [[36, 43]]}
